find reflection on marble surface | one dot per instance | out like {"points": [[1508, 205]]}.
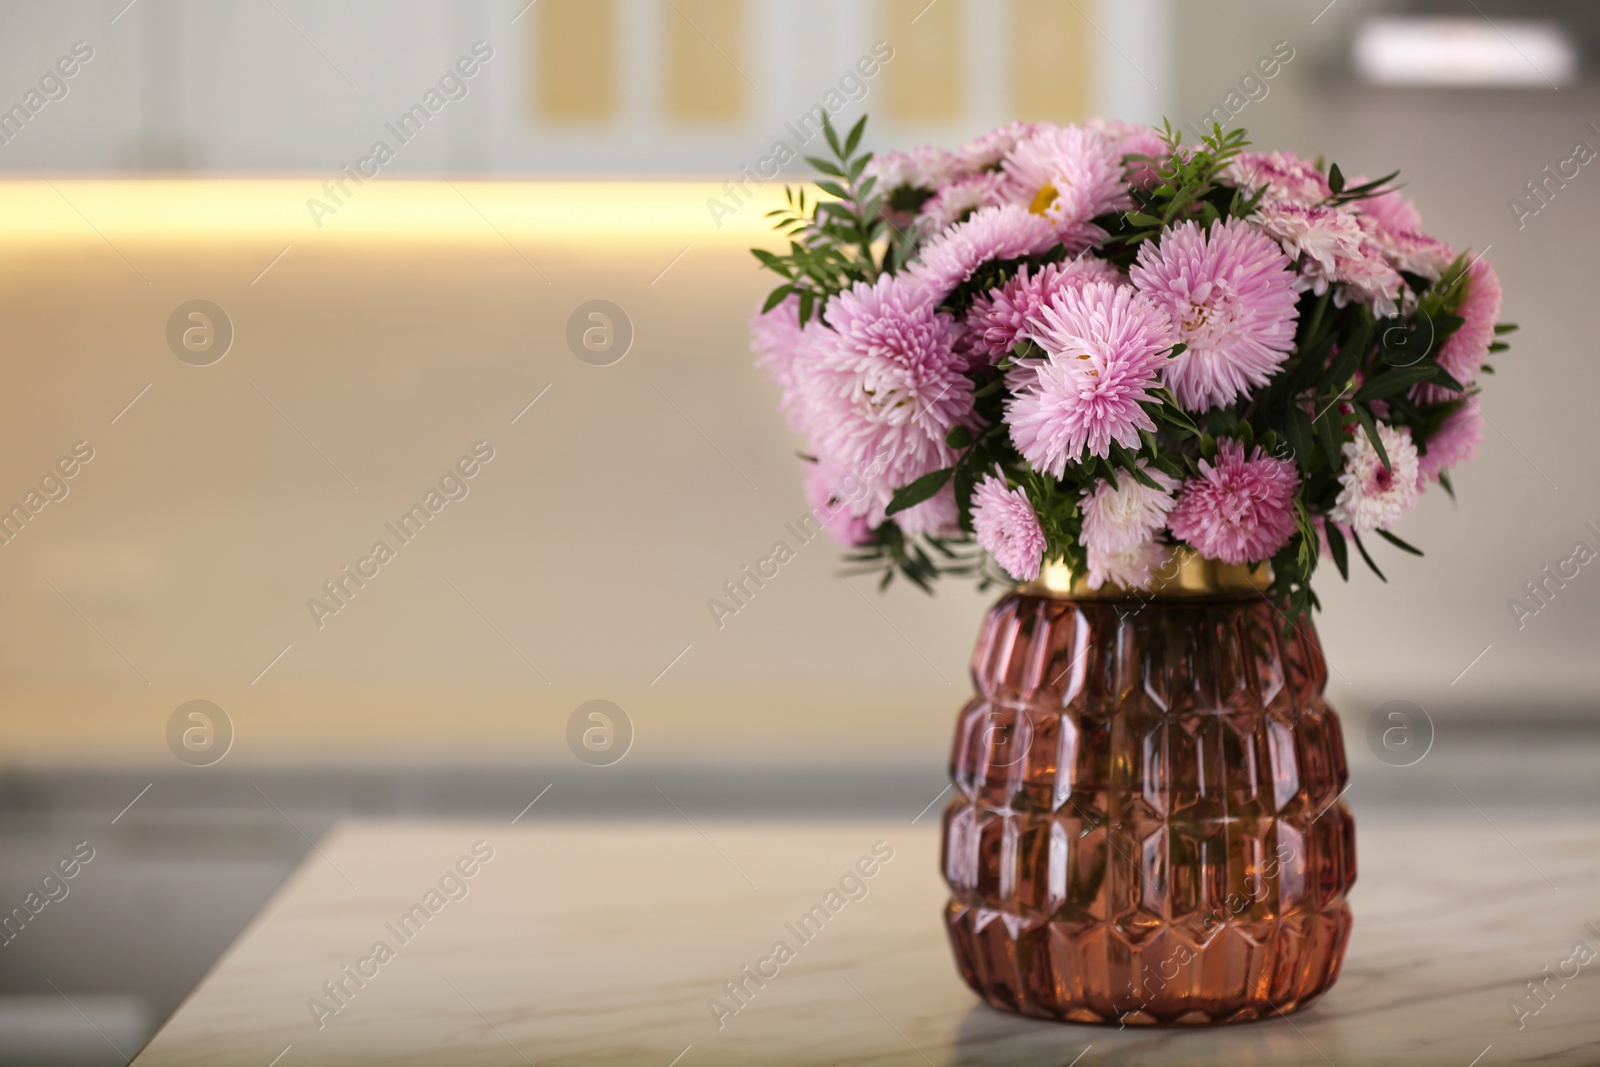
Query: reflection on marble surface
{"points": [[607, 944]]}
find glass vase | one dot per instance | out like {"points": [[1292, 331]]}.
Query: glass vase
{"points": [[1147, 824]]}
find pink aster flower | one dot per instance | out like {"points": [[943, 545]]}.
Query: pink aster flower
{"points": [[1316, 237], [924, 167], [1415, 253], [938, 515], [1374, 496], [1389, 209], [1231, 293], [1367, 277], [778, 338], [1330, 248], [838, 502], [987, 150], [1070, 175], [1134, 139], [1463, 353], [1121, 518], [996, 320], [1453, 443], [1004, 232], [1131, 568], [954, 202], [1288, 178], [1008, 528], [884, 386], [1106, 343], [1240, 509]]}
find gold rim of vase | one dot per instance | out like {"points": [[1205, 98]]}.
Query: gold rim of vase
{"points": [[1184, 573]]}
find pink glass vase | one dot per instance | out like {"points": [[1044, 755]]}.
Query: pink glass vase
{"points": [[1147, 825]]}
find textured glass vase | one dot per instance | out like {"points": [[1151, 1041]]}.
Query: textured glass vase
{"points": [[1146, 825]]}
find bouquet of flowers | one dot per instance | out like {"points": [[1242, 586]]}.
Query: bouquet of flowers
{"points": [[1099, 346]]}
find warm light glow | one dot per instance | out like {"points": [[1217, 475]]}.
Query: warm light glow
{"points": [[221, 210], [1391, 50]]}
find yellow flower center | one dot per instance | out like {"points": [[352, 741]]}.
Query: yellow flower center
{"points": [[1043, 199]]}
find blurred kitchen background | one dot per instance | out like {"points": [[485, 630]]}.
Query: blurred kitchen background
{"points": [[372, 333]]}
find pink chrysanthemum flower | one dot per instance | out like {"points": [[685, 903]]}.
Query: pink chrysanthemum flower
{"points": [[1070, 175], [996, 320], [1389, 209], [986, 151], [1106, 343], [1331, 248], [1415, 253], [1231, 293], [1463, 353], [777, 339], [937, 516], [1393, 223], [1240, 509], [1008, 528], [885, 386], [1132, 568], [1454, 442], [1004, 232], [1316, 237], [957, 201], [1368, 278], [1133, 139], [839, 503], [924, 167], [1121, 518], [1288, 178], [1374, 496]]}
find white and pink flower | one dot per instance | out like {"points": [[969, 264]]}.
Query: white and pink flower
{"points": [[1374, 496], [1121, 517]]}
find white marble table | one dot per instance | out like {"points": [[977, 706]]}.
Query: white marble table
{"points": [[602, 943]]}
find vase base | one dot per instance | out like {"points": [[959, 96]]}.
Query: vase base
{"points": [[1069, 977]]}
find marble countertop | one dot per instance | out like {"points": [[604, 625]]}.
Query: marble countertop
{"points": [[564, 942]]}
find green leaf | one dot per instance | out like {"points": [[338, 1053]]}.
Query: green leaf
{"points": [[1329, 432], [1337, 548], [776, 297], [1444, 482], [958, 437], [922, 489], [1397, 380], [833, 137], [1372, 435], [854, 138], [1363, 550], [1396, 542], [1336, 179]]}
